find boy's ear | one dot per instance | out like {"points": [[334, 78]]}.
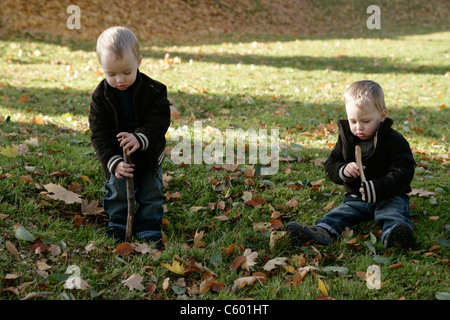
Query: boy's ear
{"points": [[383, 114], [139, 61]]}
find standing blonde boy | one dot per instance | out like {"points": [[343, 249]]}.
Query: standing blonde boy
{"points": [[129, 111], [388, 166]]}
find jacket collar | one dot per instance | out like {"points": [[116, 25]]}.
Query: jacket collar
{"points": [[349, 140], [109, 91]]}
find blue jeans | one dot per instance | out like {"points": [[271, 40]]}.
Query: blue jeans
{"points": [[149, 197], [352, 211]]}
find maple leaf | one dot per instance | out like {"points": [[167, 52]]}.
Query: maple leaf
{"points": [[91, 209], [10, 151], [250, 260], [197, 242], [176, 267], [134, 282], [57, 192], [273, 263]]}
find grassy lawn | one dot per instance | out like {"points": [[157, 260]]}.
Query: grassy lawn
{"points": [[215, 213]]}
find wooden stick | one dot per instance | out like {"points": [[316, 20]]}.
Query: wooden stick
{"points": [[359, 162], [130, 200]]}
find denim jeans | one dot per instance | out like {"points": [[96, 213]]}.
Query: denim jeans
{"points": [[352, 211], [149, 197]]}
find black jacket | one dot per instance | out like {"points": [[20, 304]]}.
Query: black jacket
{"points": [[389, 168], [151, 117]]}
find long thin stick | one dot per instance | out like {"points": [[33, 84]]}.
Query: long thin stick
{"points": [[130, 200], [359, 162]]}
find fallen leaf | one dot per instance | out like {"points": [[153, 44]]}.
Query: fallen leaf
{"points": [[11, 248], [250, 261], [197, 239], [124, 248], [421, 193], [237, 262], [273, 263], [299, 276], [42, 266], [91, 209], [257, 202], [9, 151], [243, 281], [329, 206], [58, 192], [395, 266], [24, 234], [207, 284], [322, 287], [292, 203], [275, 236], [134, 282], [176, 267]]}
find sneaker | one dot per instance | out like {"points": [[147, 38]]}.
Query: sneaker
{"points": [[116, 233], [400, 236], [304, 234]]}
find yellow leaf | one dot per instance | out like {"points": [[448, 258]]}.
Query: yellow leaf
{"points": [[11, 152], [176, 267], [322, 288]]}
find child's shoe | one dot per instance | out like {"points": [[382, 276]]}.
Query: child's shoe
{"points": [[400, 236], [118, 234], [304, 234]]}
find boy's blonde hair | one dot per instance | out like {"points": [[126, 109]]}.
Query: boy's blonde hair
{"points": [[117, 40], [365, 91]]}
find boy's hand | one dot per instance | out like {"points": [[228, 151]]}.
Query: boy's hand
{"points": [[363, 195], [124, 170], [128, 142], [351, 170]]}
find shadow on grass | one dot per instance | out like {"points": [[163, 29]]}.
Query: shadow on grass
{"points": [[309, 63]]}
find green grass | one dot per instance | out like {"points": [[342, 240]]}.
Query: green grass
{"points": [[291, 84]]}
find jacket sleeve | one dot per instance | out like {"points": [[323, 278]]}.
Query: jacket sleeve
{"points": [[151, 132], [398, 178], [103, 135]]}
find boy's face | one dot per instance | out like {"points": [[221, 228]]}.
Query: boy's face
{"points": [[120, 72], [364, 119]]}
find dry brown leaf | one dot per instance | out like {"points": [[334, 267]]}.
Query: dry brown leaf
{"points": [[197, 239], [124, 248], [11, 248], [257, 202], [292, 203], [58, 192], [134, 282]]}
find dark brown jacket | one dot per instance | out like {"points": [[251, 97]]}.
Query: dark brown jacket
{"points": [[389, 168], [151, 117]]}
